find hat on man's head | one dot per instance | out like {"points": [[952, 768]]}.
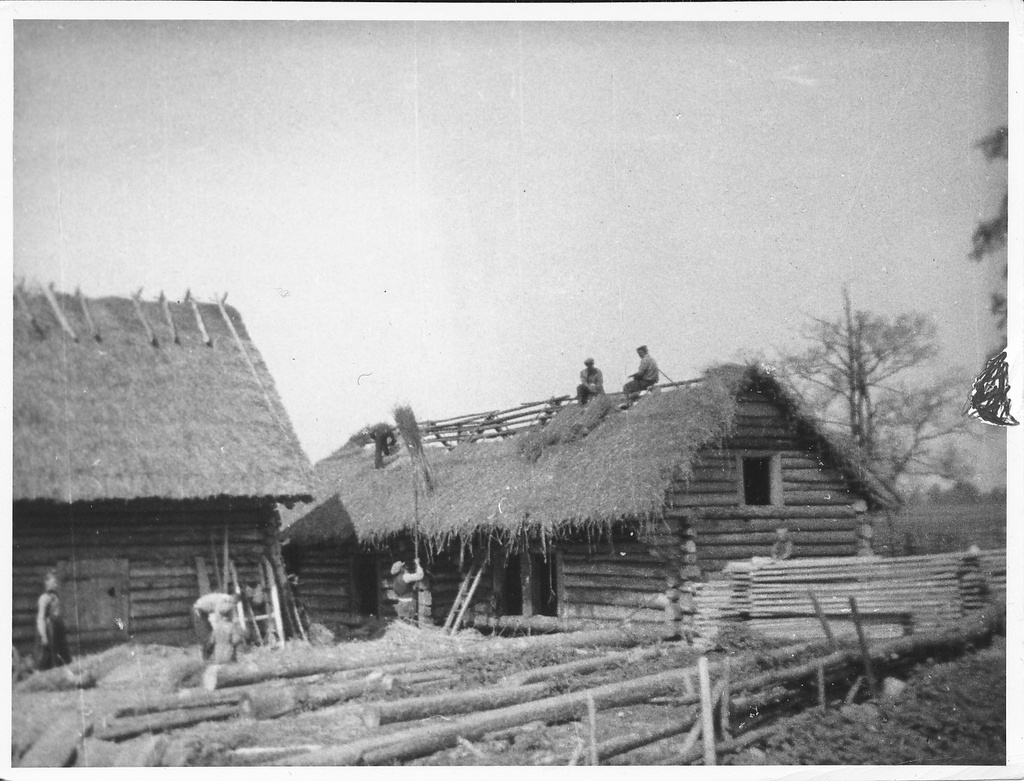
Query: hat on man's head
{"points": [[642, 347], [397, 567], [589, 362]]}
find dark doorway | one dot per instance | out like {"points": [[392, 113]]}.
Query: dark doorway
{"points": [[367, 583], [513, 586], [545, 585]]}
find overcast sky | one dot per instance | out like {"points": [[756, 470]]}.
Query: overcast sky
{"points": [[454, 215]]}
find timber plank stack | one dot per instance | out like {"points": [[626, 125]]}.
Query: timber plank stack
{"points": [[932, 591]]}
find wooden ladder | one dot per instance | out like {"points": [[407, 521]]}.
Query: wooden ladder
{"points": [[465, 596]]}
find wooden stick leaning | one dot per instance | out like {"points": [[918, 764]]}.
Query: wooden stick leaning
{"points": [[706, 711], [869, 673]]}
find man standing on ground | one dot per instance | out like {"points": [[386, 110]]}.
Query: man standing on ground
{"points": [[591, 382], [645, 377], [401, 588], [51, 636]]}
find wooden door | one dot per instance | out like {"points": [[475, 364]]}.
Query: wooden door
{"points": [[95, 598]]}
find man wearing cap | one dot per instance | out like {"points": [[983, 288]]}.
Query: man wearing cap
{"points": [[401, 589], [645, 377], [591, 382]]}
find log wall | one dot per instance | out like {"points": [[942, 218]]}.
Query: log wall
{"points": [[326, 589], [813, 500], [129, 570]]}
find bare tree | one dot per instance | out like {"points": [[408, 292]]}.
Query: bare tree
{"points": [[989, 236], [867, 376]]}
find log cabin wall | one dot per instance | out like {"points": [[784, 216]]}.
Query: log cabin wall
{"points": [[620, 578], [129, 570], [810, 498], [327, 588]]}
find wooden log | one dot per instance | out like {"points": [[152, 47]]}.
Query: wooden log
{"points": [[412, 743], [702, 526], [187, 699], [646, 584], [826, 628], [622, 568], [543, 624], [451, 703], [146, 751], [869, 672], [581, 666], [706, 711], [616, 613], [631, 741], [130, 726], [784, 512], [57, 745], [224, 676]]}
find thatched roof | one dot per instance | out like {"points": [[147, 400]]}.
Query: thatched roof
{"points": [[122, 418], [588, 468]]}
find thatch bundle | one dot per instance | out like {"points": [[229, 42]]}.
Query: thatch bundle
{"points": [[588, 468]]}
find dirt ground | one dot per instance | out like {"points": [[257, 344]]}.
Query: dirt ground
{"points": [[951, 713]]}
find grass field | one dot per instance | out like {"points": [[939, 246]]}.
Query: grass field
{"points": [[942, 528]]}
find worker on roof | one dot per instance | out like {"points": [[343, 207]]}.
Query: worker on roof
{"points": [[401, 588], [51, 636], [645, 377], [384, 439], [591, 382]]}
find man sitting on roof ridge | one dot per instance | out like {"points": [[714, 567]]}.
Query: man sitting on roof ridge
{"points": [[645, 377]]}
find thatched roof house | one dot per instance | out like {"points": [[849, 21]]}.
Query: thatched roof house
{"points": [[723, 459], [144, 432]]}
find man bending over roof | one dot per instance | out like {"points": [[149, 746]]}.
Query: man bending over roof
{"points": [[383, 437]]}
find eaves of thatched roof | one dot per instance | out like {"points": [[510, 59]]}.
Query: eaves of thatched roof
{"points": [[588, 468], [129, 399]]}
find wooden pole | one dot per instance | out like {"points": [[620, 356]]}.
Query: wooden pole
{"points": [[469, 596], [592, 715], [823, 619], [706, 711], [58, 313], [216, 565], [275, 601], [869, 673], [723, 711], [821, 686]]}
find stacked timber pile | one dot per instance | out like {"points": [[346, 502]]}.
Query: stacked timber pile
{"points": [[894, 595]]}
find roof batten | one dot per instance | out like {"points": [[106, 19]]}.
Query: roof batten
{"points": [[166, 307], [52, 300], [88, 315], [245, 355], [199, 319], [20, 296], [137, 302]]}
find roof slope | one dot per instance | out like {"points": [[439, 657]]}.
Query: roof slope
{"points": [[589, 467], [121, 418]]}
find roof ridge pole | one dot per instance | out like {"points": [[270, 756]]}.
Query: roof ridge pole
{"points": [[88, 316], [199, 319], [137, 303], [19, 294], [52, 299], [166, 307], [248, 360]]}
